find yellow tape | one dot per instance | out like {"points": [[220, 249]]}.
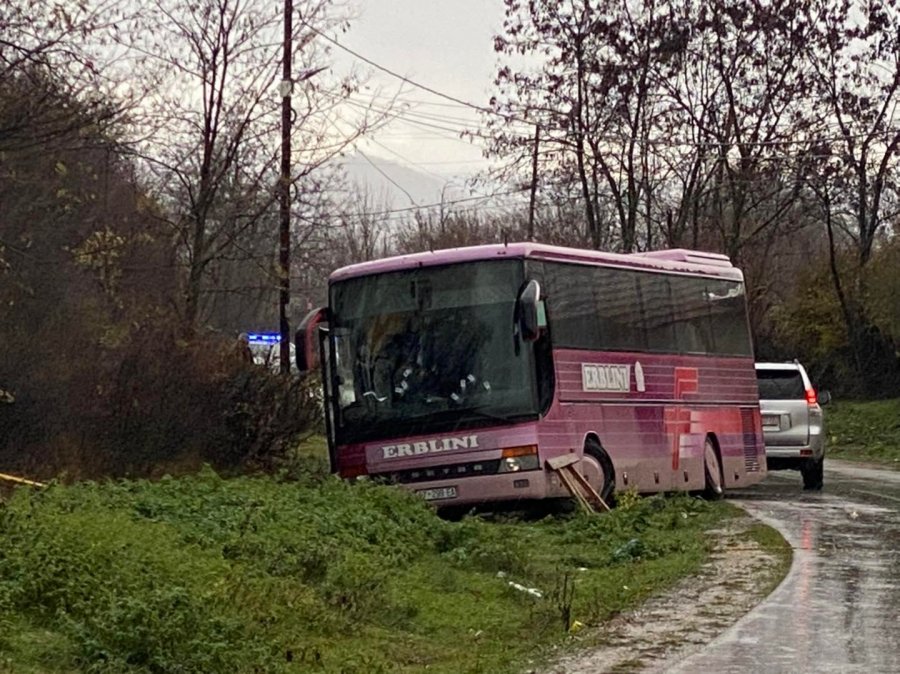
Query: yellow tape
{"points": [[21, 480]]}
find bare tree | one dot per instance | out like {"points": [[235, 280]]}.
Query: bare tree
{"points": [[856, 60], [65, 44], [337, 225], [730, 123], [597, 97], [211, 147], [670, 116]]}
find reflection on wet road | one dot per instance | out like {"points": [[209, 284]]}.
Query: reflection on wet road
{"points": [[839, 608]]}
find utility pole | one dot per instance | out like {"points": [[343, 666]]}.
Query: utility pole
{"points": [[284, 258], [534, 166]]}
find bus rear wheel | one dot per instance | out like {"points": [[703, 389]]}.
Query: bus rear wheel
{"points": [[600, 466], [712, 467]]}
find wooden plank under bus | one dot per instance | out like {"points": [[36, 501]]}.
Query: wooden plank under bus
{"points": [[572, 486], [588, 489]]}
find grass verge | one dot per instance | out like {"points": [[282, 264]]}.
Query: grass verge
{"points": [[250, 574], [864, 431]]}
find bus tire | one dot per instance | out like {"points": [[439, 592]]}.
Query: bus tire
{"points": [[594, 451], [712, 470]]}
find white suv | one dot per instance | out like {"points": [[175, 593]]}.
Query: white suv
{"points": [[792, 420]]}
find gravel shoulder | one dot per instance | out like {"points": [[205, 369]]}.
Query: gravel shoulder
{"points": [[747, 562]]}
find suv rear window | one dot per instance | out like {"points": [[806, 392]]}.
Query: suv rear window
{"points": [[780, 385]]}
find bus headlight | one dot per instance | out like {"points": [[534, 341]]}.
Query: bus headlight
{"points": [[515, 459]]}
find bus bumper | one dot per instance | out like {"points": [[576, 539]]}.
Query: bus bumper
{"points": [[518, 486]]}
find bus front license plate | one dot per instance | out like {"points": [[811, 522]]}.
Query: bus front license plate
{"points": [[438, 493]]}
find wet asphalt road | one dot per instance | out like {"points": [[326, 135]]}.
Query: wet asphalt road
{"points": [[838, 610]]}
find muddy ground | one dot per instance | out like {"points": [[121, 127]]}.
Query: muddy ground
{"points": [[738, 575]]}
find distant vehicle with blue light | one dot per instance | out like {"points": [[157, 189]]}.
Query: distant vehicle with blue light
{"points": [[265, 348]]}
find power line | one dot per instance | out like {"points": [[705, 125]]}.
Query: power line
{"points": [[403, 78], [422, 164], [407, 160], [403, 117], [513, 118], [481, 132], [412, 109], [381, 171], [384, 173], [415, 206], [400, 135], [414, 101], [510, 118], [437, 204]]}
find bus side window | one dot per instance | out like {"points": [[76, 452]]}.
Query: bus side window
{"points": [[658, 313], [693, 330], [619, 308], [728, 318]]}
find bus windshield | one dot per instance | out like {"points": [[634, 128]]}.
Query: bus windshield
{"points": [[429, 349]]}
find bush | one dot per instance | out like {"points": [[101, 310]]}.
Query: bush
{"points": [[153, 402], [265, 416]]}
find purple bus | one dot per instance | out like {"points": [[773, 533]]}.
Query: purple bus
{"points": [[459, 373]]}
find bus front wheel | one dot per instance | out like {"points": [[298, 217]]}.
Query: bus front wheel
{"points": [[712, 466], [599, 470]]}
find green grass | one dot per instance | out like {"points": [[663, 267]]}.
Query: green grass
{"points": [[864, 431], [253, 574]]}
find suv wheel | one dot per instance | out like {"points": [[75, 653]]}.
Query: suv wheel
{"points": [[812, 472]]}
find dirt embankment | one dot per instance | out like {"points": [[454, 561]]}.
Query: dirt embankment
{"points": [[741, 571]]}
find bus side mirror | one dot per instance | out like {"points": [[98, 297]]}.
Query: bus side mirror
{"points": [[306, 341], [531, 311]]}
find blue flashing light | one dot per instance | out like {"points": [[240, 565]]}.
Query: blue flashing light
{"points": [[263, 338]]}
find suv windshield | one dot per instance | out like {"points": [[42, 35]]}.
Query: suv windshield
{"points": [[429, 350], [780, 385]]}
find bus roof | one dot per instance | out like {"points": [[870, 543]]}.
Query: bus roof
{"points": [[678, 260]]}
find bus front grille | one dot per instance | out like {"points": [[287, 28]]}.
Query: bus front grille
{"points": [[471, 469]]}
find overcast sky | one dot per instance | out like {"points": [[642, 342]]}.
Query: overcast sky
{"points": [[444, 44]]}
